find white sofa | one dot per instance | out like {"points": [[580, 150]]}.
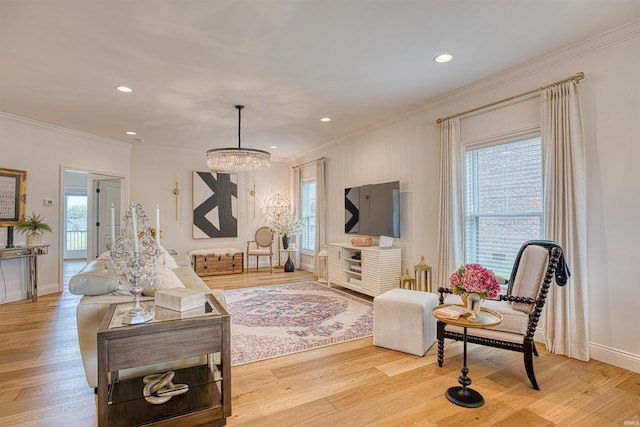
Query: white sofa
{"points": [[98, 283]]}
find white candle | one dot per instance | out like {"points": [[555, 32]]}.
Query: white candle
{"points": [[158, 225], [136, 248], [113, 226]]}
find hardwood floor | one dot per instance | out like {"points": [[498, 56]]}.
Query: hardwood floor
{"points": [[42, 381]]}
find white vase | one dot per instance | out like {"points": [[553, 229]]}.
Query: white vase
{"points": [[34, 239]]}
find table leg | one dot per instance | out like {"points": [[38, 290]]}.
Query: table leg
{"points": [[33, 278], [464, 396]]}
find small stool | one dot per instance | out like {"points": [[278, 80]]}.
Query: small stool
{"points": [[402, 321]]}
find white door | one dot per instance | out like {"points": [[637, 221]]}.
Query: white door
{"points": [[104, 193]]}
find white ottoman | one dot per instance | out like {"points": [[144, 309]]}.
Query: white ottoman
{"points": [[402, 321]]}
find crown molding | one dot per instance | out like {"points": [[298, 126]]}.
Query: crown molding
{"points": [[32, 122]]}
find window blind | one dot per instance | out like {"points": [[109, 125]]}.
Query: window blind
{"points": [[503, 203]]}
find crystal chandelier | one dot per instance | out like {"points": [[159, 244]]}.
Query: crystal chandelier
{"points": [[237, 159]]}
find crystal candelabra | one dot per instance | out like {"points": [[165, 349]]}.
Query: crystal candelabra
{"points": [[134, 256]]}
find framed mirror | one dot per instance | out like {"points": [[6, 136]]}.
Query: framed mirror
{"points": [[13, 196]]}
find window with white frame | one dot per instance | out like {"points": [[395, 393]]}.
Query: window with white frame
{"points": [[309, 216], [504, 202]]}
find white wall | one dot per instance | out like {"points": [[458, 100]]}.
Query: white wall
{"points": [[153, 181], [407, 149], [41, 150]]}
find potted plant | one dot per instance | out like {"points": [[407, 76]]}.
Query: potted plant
{"points": [[34, 227], [286, 226]]}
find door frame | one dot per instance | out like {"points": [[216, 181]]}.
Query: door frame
{"points": [[124, 197]]}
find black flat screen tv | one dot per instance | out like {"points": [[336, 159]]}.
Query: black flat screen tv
{"points": [[373, 210]]}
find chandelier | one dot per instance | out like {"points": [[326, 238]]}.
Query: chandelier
{"points": [[277, 206], [237, 159]]}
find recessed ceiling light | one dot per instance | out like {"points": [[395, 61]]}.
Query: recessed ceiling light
{"points": [[325, 119], [130, 133], [274, 146], [124, 89], [445, 57]]}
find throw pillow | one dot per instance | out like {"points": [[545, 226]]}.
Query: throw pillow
{"points": [[166, 279]]}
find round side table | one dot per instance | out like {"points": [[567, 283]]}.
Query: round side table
{"points": [[463, 395]]}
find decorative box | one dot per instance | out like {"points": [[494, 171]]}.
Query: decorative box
{"points": [[179, 299], [361, 241]]}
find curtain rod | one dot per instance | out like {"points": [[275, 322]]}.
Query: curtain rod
{"points": [[577, 77], [309, 162]]}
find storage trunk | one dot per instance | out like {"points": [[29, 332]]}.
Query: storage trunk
{"points": [[212, 264]]}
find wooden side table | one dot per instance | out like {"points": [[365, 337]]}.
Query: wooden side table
{"points": [[463, 395], [170, 336]]}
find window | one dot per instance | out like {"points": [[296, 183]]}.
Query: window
{"points": [[504, 202], [309, 216]]}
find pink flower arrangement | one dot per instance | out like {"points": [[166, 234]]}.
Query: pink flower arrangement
{"points": [[473, 278]]}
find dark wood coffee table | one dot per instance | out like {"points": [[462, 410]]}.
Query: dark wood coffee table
{"points": [[168, 337], [463, 395]]}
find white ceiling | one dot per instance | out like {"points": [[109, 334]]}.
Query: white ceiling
{"points": [[290, 62]]}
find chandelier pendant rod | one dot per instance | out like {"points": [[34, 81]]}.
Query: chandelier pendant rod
{"points": [[239, 107]]}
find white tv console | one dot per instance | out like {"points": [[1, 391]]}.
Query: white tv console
{"points": [[376, 271]]}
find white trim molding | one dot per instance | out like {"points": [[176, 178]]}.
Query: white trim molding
{"points": [[615, 357]]}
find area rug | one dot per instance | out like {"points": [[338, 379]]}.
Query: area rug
{"points": [[271, 321]]}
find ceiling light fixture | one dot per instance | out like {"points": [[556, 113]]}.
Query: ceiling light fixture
{"points": [[130, 132], [124, 89], [237, 159], [445, 57], [325, 119]]}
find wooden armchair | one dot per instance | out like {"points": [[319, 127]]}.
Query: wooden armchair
{"points": [[263, 242], [533, 272]]}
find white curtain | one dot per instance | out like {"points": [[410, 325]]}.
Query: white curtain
{"points": [[321, 207], [451, 216], [297, 193], [566, 319]]}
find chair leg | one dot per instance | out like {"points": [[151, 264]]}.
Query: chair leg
{"points": [[535, 351], [528, 363]]}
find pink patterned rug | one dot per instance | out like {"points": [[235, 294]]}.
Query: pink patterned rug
{"points": [[271, 321]]}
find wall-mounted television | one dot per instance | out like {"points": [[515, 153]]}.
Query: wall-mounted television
{"points": [[373, 209]]}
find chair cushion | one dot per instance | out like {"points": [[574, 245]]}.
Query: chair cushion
{"points": [[531, 270], [259, 252], [514, 321]]}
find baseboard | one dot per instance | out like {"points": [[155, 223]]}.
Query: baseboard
{"points": [[13, 296], [612, 356], [49, 288], [615, 357]]}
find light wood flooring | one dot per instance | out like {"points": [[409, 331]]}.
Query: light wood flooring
{"points": [[42, 381]]}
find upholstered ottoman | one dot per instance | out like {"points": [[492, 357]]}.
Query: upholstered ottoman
{"points": [[402, 321]]}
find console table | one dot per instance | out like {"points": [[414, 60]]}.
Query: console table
{"points": [[465, 396], [32, 253]]}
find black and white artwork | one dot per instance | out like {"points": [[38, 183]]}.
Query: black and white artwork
{"points": [[215, 205], [351, 210]]}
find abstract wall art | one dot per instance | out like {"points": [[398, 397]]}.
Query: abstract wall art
{"points": [[215, 205]]}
